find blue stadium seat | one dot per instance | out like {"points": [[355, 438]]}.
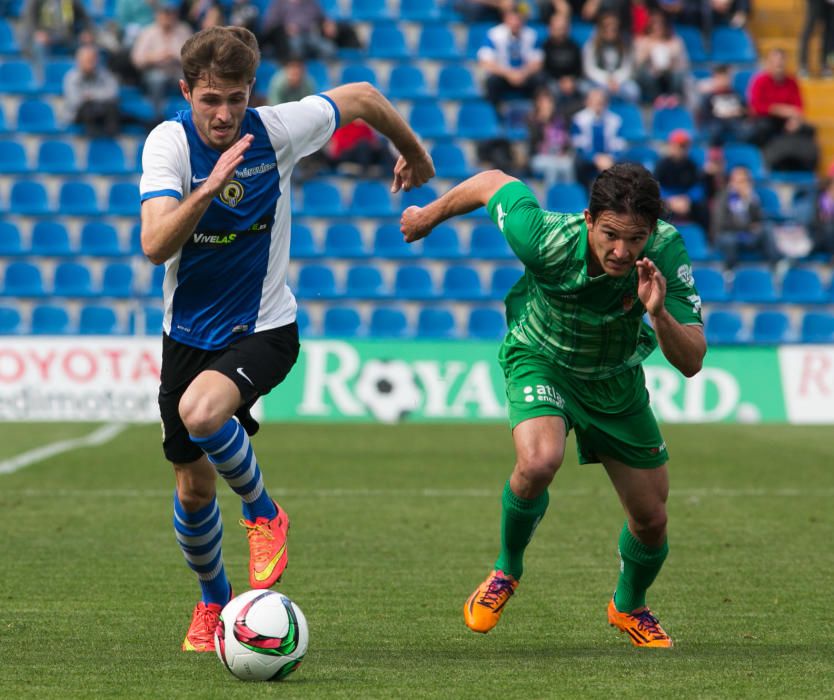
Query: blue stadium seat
{"points": [[11, 242], [428, 120], [693, 39], [36, 117], [387, 42], [420, 10], [136, 106], [135, 244], [316, 281], [710, 284], [342, 321], [302, 243], [50, 319], [418, 197], [23, 279], [17, 77], [477, 120], [106, 157], [724, 327], [358, 73], [28, 197], [173, 105], [802, 285], [732, 45], [321, 199], [369, 10], [502, 280], [50, 238], [450, 161], [117, 281], [442, 243], [435, 323], [741, 81], [695, 240], [96, 319], [486, 324], [146, 320], [123, 199], [753, 285], [302, 318], [747, 155], [476, 37], [13, 158], [54, 71], [664, 121], [407, 82], [154, 288], [488, 243], [413, 282], [456, 82], [437, 42], [371, 198], [632, 128], [581, 31], [566, 197], [3, 126], [462, 282], [771, 205], [56, 158], [344, 241], [8, 41], [389, 243], [772, 327], [817, 328], [99, 238], [78, 199], [388, 322], [364, 282], [72, 279], [317, 70], [264, 74], [10, 322]]}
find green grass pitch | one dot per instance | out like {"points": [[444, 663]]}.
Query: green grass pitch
{"points": [[392, 527]]}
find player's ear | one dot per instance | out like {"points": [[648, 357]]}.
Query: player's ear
{"points": [[588, 220], [186, 93]]}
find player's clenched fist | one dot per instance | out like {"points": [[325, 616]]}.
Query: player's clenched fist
{"points": [[413, 224]]}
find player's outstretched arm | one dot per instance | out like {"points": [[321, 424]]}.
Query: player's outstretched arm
{"points": [[474, 192], [683, 345], [363, 101]]}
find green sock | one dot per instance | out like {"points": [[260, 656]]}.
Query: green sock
{"points": [[639, 565], [519, 518]]}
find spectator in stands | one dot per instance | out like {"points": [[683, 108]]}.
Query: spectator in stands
{"points": [[299, 28], [290, 84], [91, 95], [359, 144], [731, 12], [822, 221], [738, 222], [817, 12], [156, 53], [595, 136], [55, 25], [722, 112], [132, 16], [779, 125], [562, 56], [511, 59], [549, 146], [681, 181], [609, 61], [202, 14], [480, 10], [662, 62]]}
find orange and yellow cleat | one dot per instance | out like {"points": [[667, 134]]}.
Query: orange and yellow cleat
{"points": [[483, 609], [641, 625], [200, 636], [267, 548]]}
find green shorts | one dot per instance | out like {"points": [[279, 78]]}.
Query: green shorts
{"points": [[611, 416]]}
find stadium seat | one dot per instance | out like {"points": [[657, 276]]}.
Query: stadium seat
{"points": [[442, 243], [106, 157], [817, 328], [732, 45], [8, 41], [23, 279], [566, 197], [632, 128], [477, 37], [29, 198], [695, 240], [54, 71], [450, 161], [407, 82], [455, 82], [123, 199], [10, 321], [486, 324], [316, 281], [358, 73], [741, 81], [302, 318], [413, 282], [137, 107], [56, 158], [462, 282], [154, 288], [772, 327], [78, 199], [100, 239], [581, 31], [369, 10], [387, 42], [264, 74], [3, 126], [388, 322], [435, 323], [502, 280], [343, 321], [117, 281], [135, 244], [665, 121], [72, 279], [389, 243], [96, 319], [437, 42], [17, 77], [173, 105], [364, 282], [11, 242], [321, 199], [302, 243], [344, 241], [13, 158], [428, 120], [745, 154], [724, 327], [317, 70], [371, 198], [771, 206], [488, 243], [644, 154], [753, 285], [418, 197], [49, 319], [420, 10], [477, 120], [50, 238], [710, 284], [36, 117], [693, 39], [802, 285]]}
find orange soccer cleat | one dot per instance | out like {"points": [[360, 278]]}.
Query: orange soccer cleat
{"points": [[267, 548], [641, 625], [483, 608], [200, 636]]}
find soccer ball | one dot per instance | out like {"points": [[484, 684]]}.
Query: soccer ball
{"points": [[261, 636]]}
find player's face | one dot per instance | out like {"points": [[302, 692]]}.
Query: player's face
{"points": [[615, 242], [217, 108]]}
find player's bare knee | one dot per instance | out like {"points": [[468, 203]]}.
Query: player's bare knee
{"points": [[650, 526], [537, 467], [199, 416]]}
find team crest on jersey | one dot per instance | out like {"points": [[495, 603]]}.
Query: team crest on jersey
{"points": [[232, 194], [628, 302]]}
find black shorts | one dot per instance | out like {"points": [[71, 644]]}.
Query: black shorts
{"points": [[256, 363]]}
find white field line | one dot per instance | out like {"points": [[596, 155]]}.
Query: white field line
{"points": [[99, 436]]}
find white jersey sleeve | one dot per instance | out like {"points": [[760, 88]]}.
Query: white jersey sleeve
{"points": [[166, 167], [303, 127]]}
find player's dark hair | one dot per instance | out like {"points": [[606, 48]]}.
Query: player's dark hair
{"points": [[626, 188], [230, 54]]}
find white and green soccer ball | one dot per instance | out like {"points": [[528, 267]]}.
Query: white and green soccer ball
{"points": [[262, 636]]}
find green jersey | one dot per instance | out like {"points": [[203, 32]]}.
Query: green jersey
{"points": [[592, 326]]}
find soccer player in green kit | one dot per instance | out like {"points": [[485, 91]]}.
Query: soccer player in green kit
{"points": [[572, 360]]}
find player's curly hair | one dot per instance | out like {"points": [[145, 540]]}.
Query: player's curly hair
{"points": [[230, 54], [626, 188]]}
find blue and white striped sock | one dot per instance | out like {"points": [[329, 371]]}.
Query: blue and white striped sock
{"points": [[230, 451], [199, 535]]}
